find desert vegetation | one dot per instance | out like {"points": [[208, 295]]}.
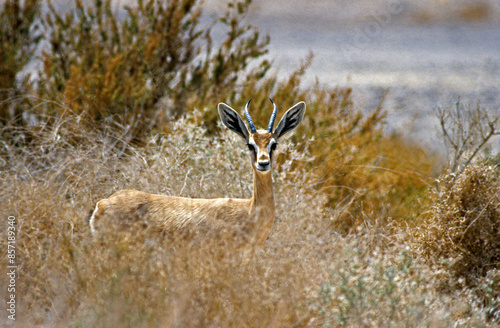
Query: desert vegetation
{"points": [[370, 231]]}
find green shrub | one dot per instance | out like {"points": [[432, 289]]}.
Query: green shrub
{"points": [[18, 40], [145, 69]]}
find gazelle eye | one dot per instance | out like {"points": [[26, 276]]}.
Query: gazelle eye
{"points": [[251, 147], [273, 146]]}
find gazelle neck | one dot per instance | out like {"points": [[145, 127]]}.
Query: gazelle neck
{"points": [[262, 203], [263, 195]]}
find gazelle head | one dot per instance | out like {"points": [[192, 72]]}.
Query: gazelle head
{"points": [[262, 143]]}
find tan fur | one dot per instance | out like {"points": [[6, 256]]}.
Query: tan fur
{"points": [[249, 220]]}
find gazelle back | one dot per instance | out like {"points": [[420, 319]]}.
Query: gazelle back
{"points": [[249, 221]]}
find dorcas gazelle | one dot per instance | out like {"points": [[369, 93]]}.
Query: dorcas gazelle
{"points": [[247, 220]]}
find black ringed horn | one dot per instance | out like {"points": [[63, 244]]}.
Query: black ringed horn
{"points": [[273, 117], [249, 118]]}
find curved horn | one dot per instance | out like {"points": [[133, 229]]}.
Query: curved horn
{"points": [[249, 119], [273, 117]]}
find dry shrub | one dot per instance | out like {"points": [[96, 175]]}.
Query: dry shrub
{"points": [[383, 289], [134, 69], [375, 281], [486, 295], [363, 172], [462, 232], [67, 279], [343, 176]]}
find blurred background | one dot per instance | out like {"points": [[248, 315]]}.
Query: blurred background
{"points": [[423, 54], [416, 55]]}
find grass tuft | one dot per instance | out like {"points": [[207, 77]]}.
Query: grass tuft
{"points": [[307, 275]]}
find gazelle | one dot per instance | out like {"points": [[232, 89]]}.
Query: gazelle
{"points": [[250, 220]]}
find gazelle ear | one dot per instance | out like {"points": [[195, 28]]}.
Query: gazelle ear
{"points": [[291, 119], [232, 120]]}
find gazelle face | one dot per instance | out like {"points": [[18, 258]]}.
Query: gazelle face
{"points": [[262, 143], [261, 146]]}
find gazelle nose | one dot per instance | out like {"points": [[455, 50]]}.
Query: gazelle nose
{"points": [[263, 162]]}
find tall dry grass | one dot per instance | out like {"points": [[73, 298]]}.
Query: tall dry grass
{"points": [[459, 237], [119, 70], [360, 238], [307, 275]]}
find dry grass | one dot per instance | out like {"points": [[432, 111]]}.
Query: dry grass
{"points": [[307, 275], [337, 255], [460, 237], [111, 70], [464, 224]]}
